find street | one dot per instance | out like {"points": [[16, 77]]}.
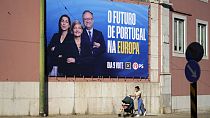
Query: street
{"points": [[174, 115]]}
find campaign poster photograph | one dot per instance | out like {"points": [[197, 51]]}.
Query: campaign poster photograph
{"points": [[96, 38]]}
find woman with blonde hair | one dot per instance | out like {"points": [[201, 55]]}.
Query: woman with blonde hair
{"points": [[79, 56]]}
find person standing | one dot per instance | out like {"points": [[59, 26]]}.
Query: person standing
{"points": [[96, 41], [56, 49], [79, 55]]}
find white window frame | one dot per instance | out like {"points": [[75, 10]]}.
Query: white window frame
{"points": [[198, 21], [178, 16]]}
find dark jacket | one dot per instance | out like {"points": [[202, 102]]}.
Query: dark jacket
{"points": [[97, 37], [84, 59], [58, 56], [98, 65]]}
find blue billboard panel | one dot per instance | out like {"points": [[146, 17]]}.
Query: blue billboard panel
{"points": [[113, 40]]}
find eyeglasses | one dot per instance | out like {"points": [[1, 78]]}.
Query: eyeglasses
{"points": [[88, 18]]}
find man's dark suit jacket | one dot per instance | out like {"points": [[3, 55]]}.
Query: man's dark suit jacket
{"points": [[97, 53], [97, 37]]}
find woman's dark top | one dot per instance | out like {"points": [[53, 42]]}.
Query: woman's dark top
{"points": [[83, 59], [58, 56]]}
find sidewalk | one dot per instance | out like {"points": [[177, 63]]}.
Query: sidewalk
{"points": [[174, 115]]}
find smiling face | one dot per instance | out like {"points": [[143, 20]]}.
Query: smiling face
{"points": [[77, 30], [88, 20], [64, 24]]}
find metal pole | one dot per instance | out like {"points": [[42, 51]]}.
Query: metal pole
{"points": [[42, 62], [193, 99]]}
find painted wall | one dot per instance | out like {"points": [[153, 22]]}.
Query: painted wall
{"points": [[195, 9], [19, 40]]}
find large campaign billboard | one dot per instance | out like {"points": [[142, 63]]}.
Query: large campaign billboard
{"points": [[96, 38]]}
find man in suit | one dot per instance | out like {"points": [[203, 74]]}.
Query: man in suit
{"points": [[95, 39]]}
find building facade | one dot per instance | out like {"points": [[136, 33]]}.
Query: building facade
{"points": [[191, 25], [173, 25]]}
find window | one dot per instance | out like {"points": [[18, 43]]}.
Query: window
{"points": [[202, 35], [179, 35]]}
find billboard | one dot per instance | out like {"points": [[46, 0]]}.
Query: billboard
{"points": [[104, 38]]}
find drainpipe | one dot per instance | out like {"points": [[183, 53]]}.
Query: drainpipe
{"points": [[42, 62]]}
